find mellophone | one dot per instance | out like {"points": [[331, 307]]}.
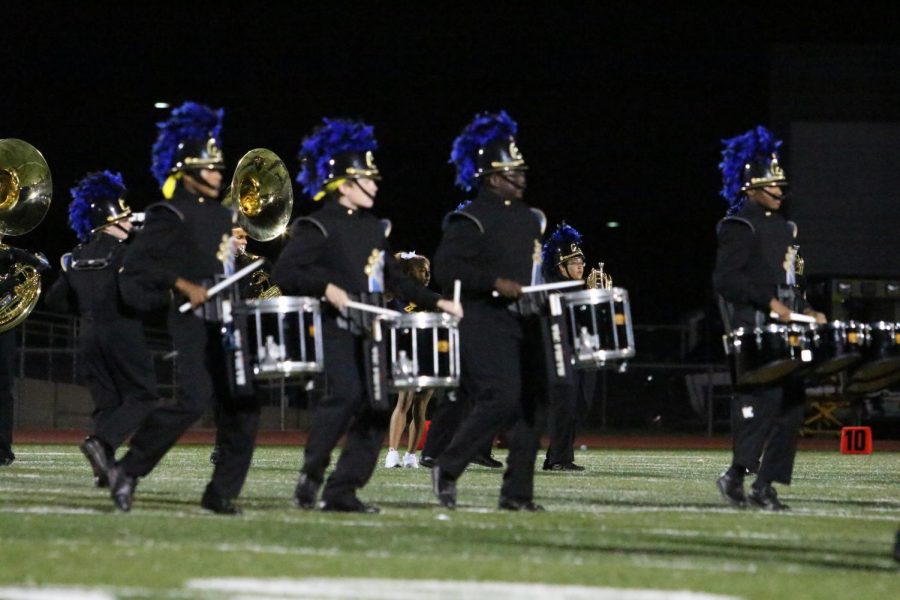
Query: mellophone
{"points": [[865, 355]]}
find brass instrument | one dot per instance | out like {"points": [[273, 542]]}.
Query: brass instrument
{"points": [[259, 280], [261, 195], [597, 279], [25, 192]]}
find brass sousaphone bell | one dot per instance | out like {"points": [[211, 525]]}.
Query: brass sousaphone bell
{"points": [[25, 192], [261, 195]]}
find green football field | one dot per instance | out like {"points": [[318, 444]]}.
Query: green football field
{"points": [[635, 520]]}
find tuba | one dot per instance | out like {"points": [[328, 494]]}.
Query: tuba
{"points": [[25, 192], [262, 197], [597, 279]]}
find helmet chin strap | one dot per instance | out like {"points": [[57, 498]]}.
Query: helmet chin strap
{"points": [[502, 174], [364, 191]]}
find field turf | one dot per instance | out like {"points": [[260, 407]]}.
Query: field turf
{"points": [[634, 519]]}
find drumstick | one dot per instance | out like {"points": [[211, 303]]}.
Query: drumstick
{"points": [[800, 318], [226, 282], [373, 309], [543, 287], [457, 290]]}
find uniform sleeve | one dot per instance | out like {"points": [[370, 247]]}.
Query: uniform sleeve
{"points": [[147, 278], [404, 286], [298, 270], [61, 297], [730, 274], [457, 258]]}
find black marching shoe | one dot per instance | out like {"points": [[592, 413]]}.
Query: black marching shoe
{"points": [[732, 490], [426, 461], [350, 504], [121, 488], [766, 499], [444, 488], [519, 505], [487, 461], [567, 466], [99, 458], [7, 459], [306, 492], [219, 505]]}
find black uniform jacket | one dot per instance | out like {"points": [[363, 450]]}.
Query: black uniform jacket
{"points": [[88, 284], [186, 237], [751, 263], [336, 245], [491, 238]]}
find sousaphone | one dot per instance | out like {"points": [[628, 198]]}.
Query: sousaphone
{"points": [[25, 192], [261, 194], [262, 197]]}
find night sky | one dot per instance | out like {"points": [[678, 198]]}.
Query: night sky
{"points": [[620, 109]]}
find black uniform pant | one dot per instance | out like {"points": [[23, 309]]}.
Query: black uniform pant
{"points": [[449, 413], [497, 351], [119, 373], [345, 408], [202, 384], [7, 379], [765, 424], [567, 405]]}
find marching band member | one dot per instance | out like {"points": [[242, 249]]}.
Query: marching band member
{"points": [[753, 276], [10, 256], [182, 247], [118, 368], [563, 260], [340, 251], [416, 267], [492, 245]]}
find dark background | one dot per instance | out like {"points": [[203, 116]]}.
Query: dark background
{"points": [[620, 109]]}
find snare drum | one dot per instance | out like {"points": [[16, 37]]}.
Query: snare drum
{"points": [[768, 354], [283, 336], [600, 326], [880, 350], [423, 351], [836, 346]]}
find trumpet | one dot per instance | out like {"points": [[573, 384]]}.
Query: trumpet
{"points": [[597, 279]]}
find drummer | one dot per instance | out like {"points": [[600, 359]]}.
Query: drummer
{"points": [[755, 275], [341, 252], [492, 245], [563, 260]]}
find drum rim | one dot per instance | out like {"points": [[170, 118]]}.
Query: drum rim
{"points": [[278, 304], [423, 382], [286, 368], [422, 320], [596, 296]]}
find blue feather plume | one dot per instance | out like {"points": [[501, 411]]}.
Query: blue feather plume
{"points": [[190, 121], [99, 185], [484, 128], [332, 138], [562, 237], [756, 145]]}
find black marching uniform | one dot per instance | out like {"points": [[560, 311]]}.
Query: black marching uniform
{"points": [[494, 238], [186, 237], [566, 405], [751, 270], [337, 245], [117, 366], [7, 401]]}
